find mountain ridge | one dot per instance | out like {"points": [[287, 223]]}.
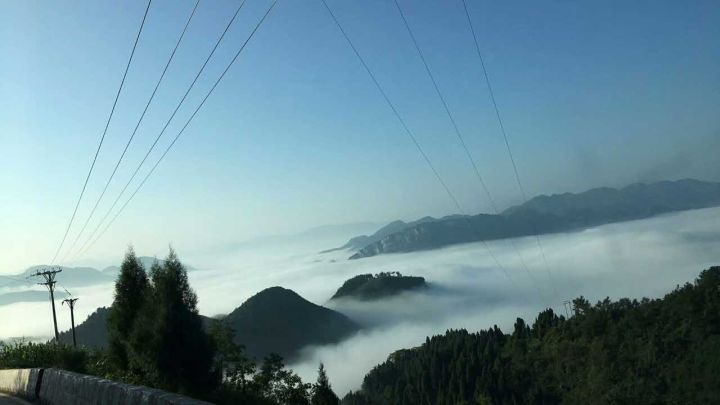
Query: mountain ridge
{"points": [[549, 214], [82, 276]]}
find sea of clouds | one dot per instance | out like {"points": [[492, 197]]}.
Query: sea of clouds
{"points": [[645, 258]]}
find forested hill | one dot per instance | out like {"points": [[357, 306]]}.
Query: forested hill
{"points": [[545, 214], [366, 287], [278, 320], [275, 320], [650, 351], [93, 332]]}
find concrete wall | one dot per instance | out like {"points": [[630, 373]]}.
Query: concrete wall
{"points": [[60, 387], [20, 382]]}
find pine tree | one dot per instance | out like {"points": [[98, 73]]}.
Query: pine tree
{"points": [[169, 342], [322, 392], [130, 290]]}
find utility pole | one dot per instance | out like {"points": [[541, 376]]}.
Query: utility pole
{"points": [[71, 304], [567, 304], [49, 277]]}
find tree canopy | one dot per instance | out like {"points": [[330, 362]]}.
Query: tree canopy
{"points": [[130, 292], [627, 351], [322, 391]]}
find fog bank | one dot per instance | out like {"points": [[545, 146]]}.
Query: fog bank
{"points": [[631, 259]]}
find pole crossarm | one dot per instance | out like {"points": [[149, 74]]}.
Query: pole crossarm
{"points": [[49, 276]]}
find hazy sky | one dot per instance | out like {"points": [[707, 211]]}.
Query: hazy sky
{"points": [[593, 93]]}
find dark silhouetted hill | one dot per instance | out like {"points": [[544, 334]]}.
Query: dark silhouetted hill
{"points": [[275, 320], [92, 332], [369, 287], [278, 320]]}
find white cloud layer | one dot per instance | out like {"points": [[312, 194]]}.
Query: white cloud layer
{"points": [[631, 259]]}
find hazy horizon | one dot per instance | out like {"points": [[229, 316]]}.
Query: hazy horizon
{"points": [[642, 258], [296, 135], [334, 232]]}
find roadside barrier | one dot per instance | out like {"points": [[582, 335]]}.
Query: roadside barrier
{"points": [[59, 387]]}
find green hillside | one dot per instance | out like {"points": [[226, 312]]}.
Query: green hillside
{"points": [[278, 320], [624, 352], [370, 287]]}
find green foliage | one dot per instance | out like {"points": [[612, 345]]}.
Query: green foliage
{"points": [[322, 391], [230, 357], [651, 351], [168, 345], [272, 384], [384, 284], [45, 355], [280, 385], [160, 342], [130, 293]]}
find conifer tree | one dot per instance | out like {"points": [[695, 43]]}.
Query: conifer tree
{"points": [[130, 291], [169, 342], [322, 392]]}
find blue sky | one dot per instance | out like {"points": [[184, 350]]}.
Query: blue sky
{"points": [[592, 93]]}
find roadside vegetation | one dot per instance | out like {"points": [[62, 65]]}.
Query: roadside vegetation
{"points": [[157, 339]]}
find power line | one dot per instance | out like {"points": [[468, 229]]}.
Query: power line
{"points": [[102, 138], [505, 137], [65, 289], [459, 135], [410, 133], [222, 75], [445, 106], [132, 136], [152, 147]]}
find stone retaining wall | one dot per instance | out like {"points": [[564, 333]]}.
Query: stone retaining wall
{"points": [[20, 382], [60, 387]]}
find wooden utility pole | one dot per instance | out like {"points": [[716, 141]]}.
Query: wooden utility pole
{"points": [[566, 304], [71, 304], [49, 277]]}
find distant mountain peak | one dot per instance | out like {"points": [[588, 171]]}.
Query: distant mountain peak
{"points": [[279, 320]]}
